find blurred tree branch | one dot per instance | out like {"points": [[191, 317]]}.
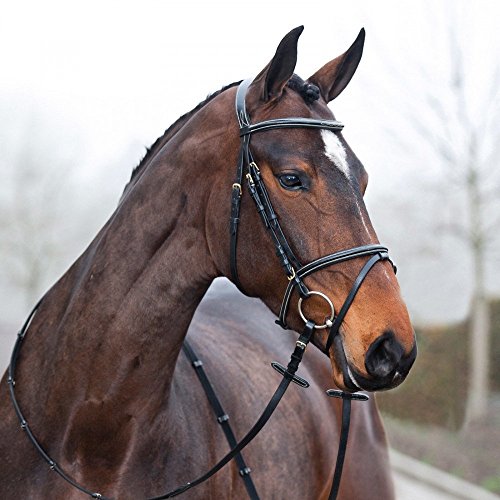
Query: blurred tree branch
{"points": [[466, 147], [35, 202]]}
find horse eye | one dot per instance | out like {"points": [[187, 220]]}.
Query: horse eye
{"points": [[290, 181]]}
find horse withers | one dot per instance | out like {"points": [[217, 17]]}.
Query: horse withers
{"points": [[97, 379]]}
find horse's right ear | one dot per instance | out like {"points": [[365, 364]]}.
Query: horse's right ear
{"points": [[272, 79]]}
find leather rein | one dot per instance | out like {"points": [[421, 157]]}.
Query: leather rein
{"points": [[295, 272]]}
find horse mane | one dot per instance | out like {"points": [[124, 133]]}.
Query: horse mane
{"points": [[309, 93], [152, 150]]}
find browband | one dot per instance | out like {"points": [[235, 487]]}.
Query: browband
{"points": [[246, 128], [291, 123]]}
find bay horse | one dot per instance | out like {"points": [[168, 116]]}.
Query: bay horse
{"points": [[100, 379]]}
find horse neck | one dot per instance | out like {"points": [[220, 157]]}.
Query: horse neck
{"points": [[108, 334]]}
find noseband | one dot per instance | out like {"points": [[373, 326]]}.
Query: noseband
{"points": [[295, 272]]}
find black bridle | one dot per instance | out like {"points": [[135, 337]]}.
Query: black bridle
{"points": [[295, 273], [294, 270]]}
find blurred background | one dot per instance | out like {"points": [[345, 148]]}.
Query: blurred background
{"points": [[86, 86]]}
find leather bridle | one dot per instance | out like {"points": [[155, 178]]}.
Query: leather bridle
{"points": [[295, 272]]}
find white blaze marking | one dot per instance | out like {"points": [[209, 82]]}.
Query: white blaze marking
{"points": [[335, 152]]}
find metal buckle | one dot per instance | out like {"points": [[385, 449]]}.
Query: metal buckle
{"points": [[245, 471], [329, 321], [238, 187], [301, 344], [223, 418], [292, 277]]}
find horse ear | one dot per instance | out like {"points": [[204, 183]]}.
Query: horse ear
{"points": [[334, 76], [273, 78]]}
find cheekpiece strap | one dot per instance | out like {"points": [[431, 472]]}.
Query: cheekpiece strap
{"points": [[257, 189]]}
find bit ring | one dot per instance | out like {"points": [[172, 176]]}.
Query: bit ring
{"points": [[329, 321]]}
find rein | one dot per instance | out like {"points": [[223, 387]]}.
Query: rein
{"points": [[222, 418], [295, 272]]}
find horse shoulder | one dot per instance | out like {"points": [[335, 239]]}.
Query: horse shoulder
{"points": [[236, 339]]}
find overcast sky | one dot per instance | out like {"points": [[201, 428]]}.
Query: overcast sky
{"points": [[106, 78]]}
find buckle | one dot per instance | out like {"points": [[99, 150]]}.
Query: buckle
{"points": [[223, 418], [301, 344], [245, 471]]}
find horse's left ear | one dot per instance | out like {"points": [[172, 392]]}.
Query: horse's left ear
{"points": [[334, 76], [273, 78]]}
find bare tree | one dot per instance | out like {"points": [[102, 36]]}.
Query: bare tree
{"points": [[464, 139], [48, 211], [36, 232]]}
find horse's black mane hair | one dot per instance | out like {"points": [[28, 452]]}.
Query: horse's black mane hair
{"points": [[308, 91]]}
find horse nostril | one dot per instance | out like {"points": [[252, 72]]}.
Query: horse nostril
{"points": [[383, 356]]}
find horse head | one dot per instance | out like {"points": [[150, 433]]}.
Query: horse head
{"points": [[316, 185]]}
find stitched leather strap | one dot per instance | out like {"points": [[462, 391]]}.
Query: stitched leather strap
{"points": [[292, 367], [222, 418], [24, 423], [344, 434], [322, 262], [334, 330], [296, 122], [291, 123], [288, 376], [258, 190]]}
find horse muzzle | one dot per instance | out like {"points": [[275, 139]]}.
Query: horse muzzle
{"points": [[386, 364]]}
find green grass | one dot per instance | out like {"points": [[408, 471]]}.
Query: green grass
{"points": [[491, 483]]}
